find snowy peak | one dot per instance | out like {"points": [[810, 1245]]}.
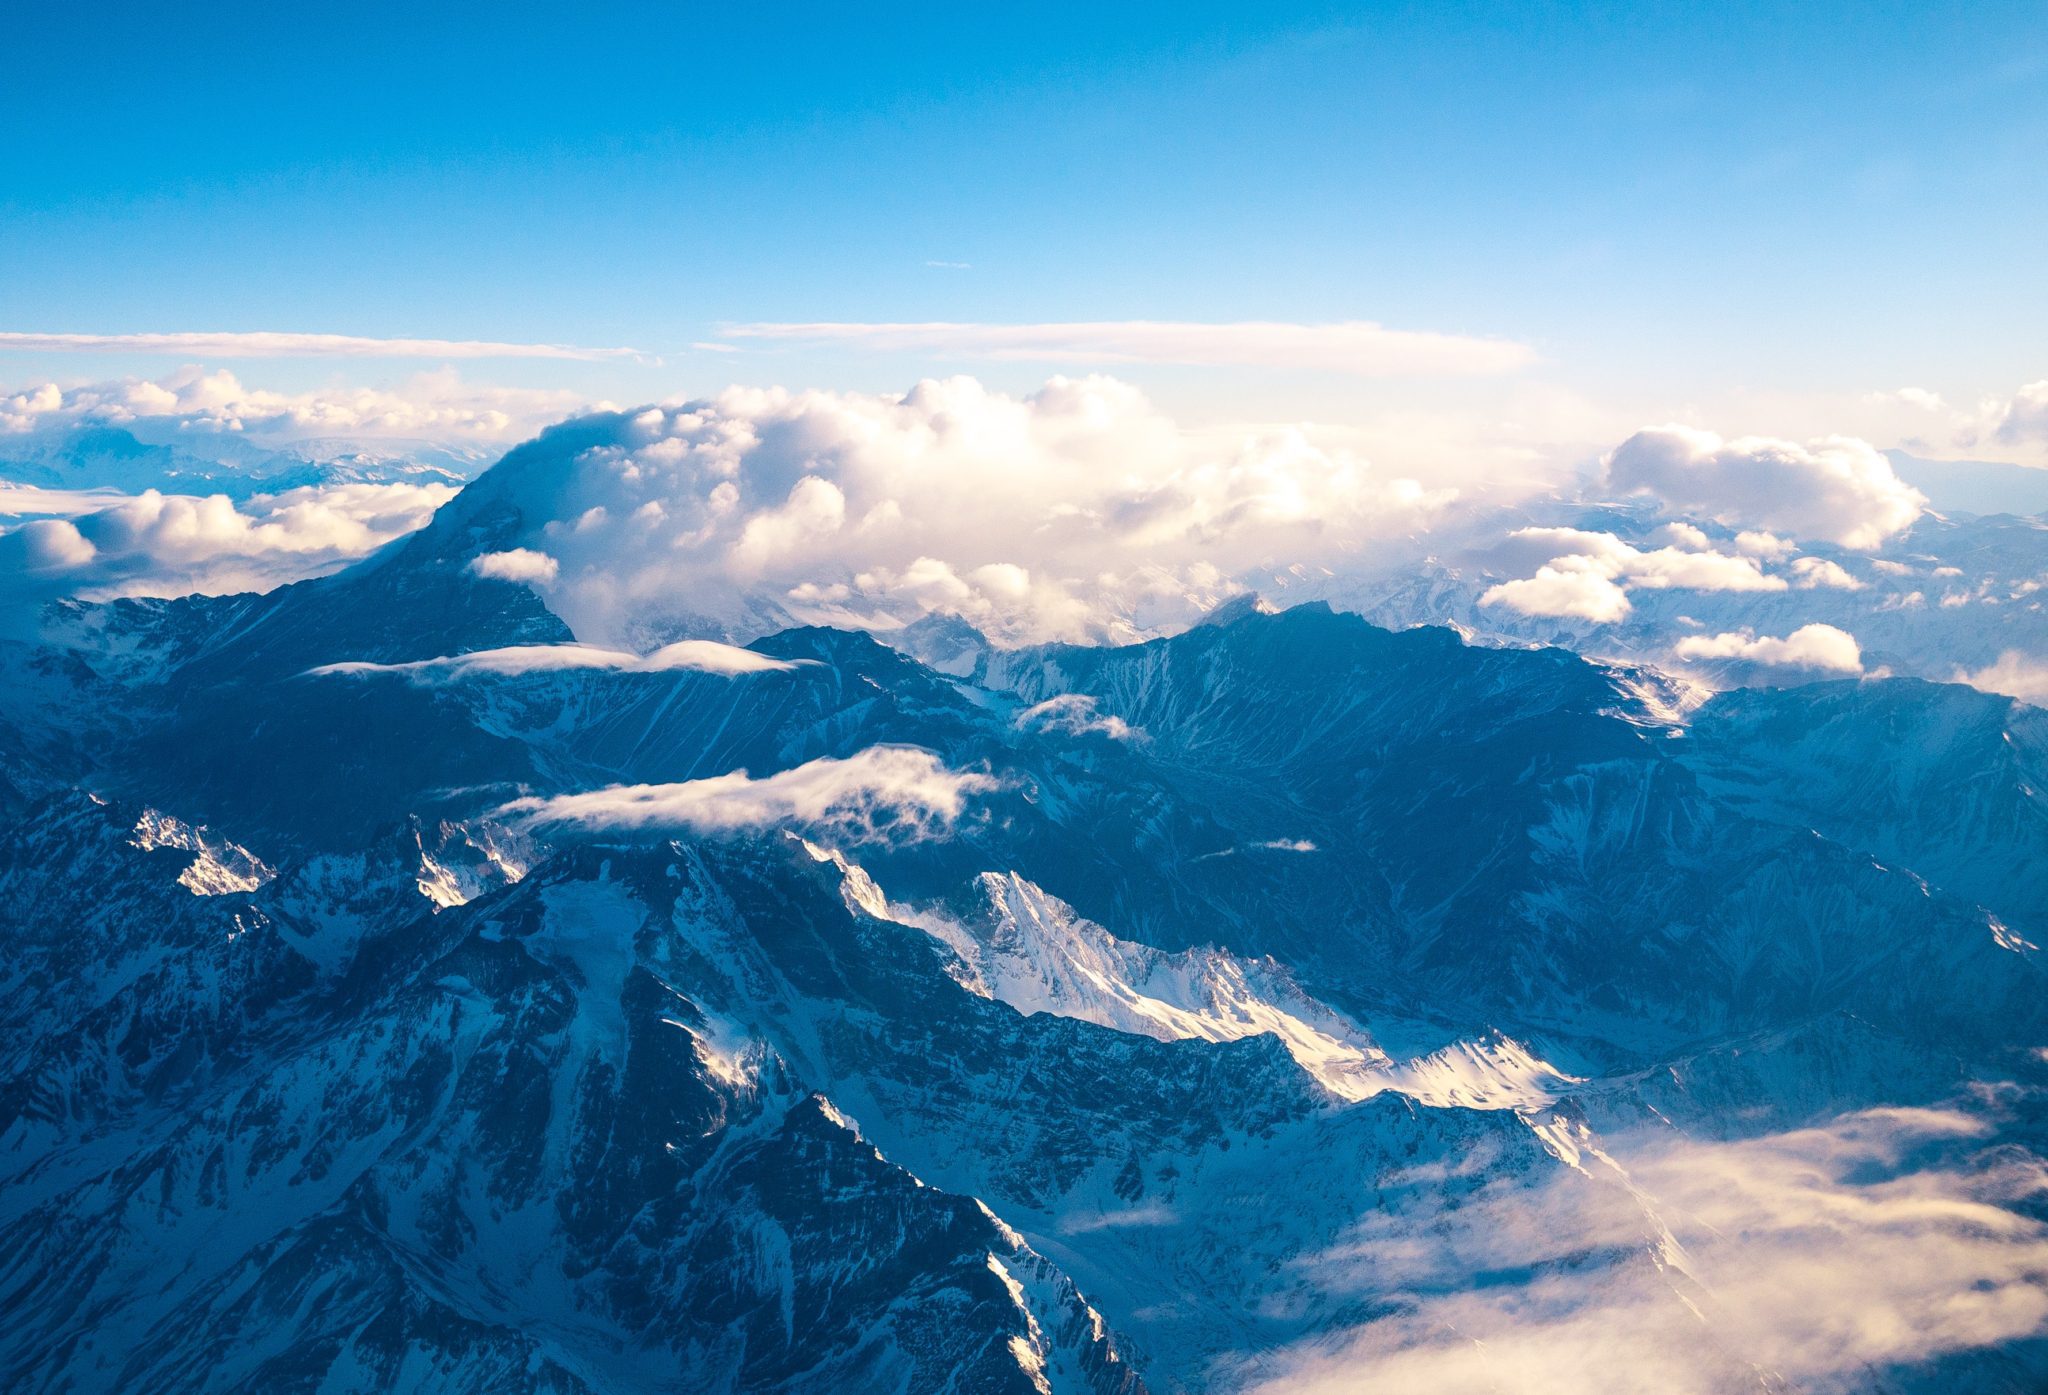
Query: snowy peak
{"points": [[1021, 946]]}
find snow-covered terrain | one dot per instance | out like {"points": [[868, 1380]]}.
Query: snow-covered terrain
{"points": [[399, 995]]}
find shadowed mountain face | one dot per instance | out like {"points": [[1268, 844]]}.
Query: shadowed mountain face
{"points": [[371, 1021]]}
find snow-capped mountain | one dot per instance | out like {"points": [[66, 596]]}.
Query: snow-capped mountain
{"points": [[399, 995]]}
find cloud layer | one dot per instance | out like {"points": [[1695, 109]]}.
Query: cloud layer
{"points": [[192, 404], [1079, 512], [884, 793], [1886, 1238], [1588, 574], [1353, 346], [157, 544], [270, 344]]}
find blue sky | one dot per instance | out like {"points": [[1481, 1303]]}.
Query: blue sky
{"points": [[1676, 208]]}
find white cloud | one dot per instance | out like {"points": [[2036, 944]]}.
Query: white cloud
{"points": [[516, 564], [191, 404], [1588, 573], [1809, 646], [1768, 546], [1682, 568], [1683, 535], [44, 547], [156, 544], [1836, 488], [2025, 417], [2014, 674], [884, 793], [1567, 587], [692, 655], [1814, 1255], [1352, 346], [1079, 512], [1810, 573], [1922, 399], [266, 344], [1076, 714]]}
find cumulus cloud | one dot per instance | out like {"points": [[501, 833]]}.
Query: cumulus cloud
{"points": [[1076, 714], [516, 564], [1352, 346], [884, 793], [689, 655], [1570, 587], [1884, 1239], [1810, 573], [1587, 573], [1079, 512], [270, 344], [2014, 674], [157, 544], [1837, 488], [1809, 646], [2025, 417], [1692, 567], [1924, 399]]}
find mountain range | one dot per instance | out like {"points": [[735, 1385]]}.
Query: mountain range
{"points": [[400, 995]]}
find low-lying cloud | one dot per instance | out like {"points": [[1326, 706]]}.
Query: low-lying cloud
{"points": [[1570, 587], [157, 544], [2012, 674], [1822, 647], [1076, 714], [881, 794], [190, 405], [1587, 574], [514, 661], [1885, 1239]]}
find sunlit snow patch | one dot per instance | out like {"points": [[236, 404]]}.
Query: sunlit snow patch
{"points": [[218, 867]]}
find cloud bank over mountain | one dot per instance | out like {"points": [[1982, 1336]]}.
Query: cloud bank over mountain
{"points": [[194, 403], [1077, 512], [1882, 1238], [1081, 511], [157, 544]]}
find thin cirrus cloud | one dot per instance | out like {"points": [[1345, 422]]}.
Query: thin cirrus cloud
{"points": [[272, 344], [883, 793], [1357, 347], [689, 655]]}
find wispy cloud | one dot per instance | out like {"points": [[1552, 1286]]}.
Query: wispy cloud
{"points": [[1351, 346], [884, 793], [269, 344], [689, 655], [2015, 674], [1884, 1239]]}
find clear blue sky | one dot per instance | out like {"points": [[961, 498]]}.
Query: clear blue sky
{"points": [[1668, 198]]}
